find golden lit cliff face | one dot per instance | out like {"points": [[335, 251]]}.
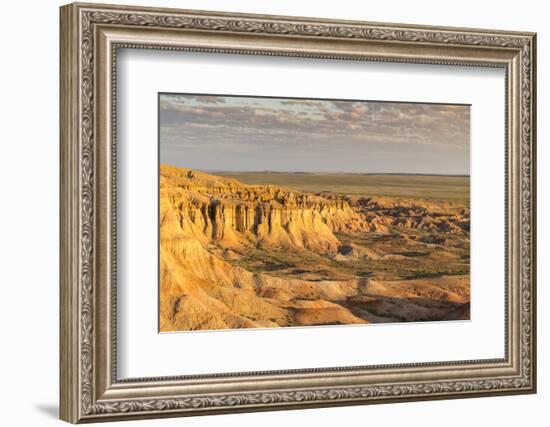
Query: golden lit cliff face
{"points": [[210, 208], [200, 290], [209, 225]]}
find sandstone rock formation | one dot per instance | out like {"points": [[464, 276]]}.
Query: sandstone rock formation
{"points": [[210, 208], [213, 230]]}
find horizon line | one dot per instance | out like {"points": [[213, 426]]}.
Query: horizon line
{"points": [[318, 172], [340, 172]]}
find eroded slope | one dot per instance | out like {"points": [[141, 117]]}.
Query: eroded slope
{"points": [[235, 256]]}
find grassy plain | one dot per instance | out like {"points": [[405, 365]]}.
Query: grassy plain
{"points": [[452, 188]]}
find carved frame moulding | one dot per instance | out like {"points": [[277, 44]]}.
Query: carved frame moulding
{"points": [[91, 34]]}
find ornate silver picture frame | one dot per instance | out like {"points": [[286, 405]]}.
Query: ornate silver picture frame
{"points": [[91, 36]]}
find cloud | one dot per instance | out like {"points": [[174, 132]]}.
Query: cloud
{"points": [[208, 99], [297, 127]]}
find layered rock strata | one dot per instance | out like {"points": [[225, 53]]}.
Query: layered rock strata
{"points": [[206, 221]]}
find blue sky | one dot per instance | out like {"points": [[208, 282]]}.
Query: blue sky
{"points": [[210, 133]]}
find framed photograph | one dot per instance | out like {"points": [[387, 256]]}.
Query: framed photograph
{"points": [[266, 213]]}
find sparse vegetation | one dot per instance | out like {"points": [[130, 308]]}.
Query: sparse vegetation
{"points": [[312, 249]]}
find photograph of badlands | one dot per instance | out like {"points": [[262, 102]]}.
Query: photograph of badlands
{"points": [[278, 212]]}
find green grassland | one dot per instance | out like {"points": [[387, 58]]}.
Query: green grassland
{"points": [[449, 188]]}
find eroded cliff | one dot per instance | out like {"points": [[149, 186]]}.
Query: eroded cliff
{"points": [[237, 256], [211, 208]]}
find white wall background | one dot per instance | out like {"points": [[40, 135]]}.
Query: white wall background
{"points": [[29, 171]]}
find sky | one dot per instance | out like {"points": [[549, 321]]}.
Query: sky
{"points": [[230, 133]]}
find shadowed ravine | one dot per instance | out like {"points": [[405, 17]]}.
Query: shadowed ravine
{"points": [[235, 255]]}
